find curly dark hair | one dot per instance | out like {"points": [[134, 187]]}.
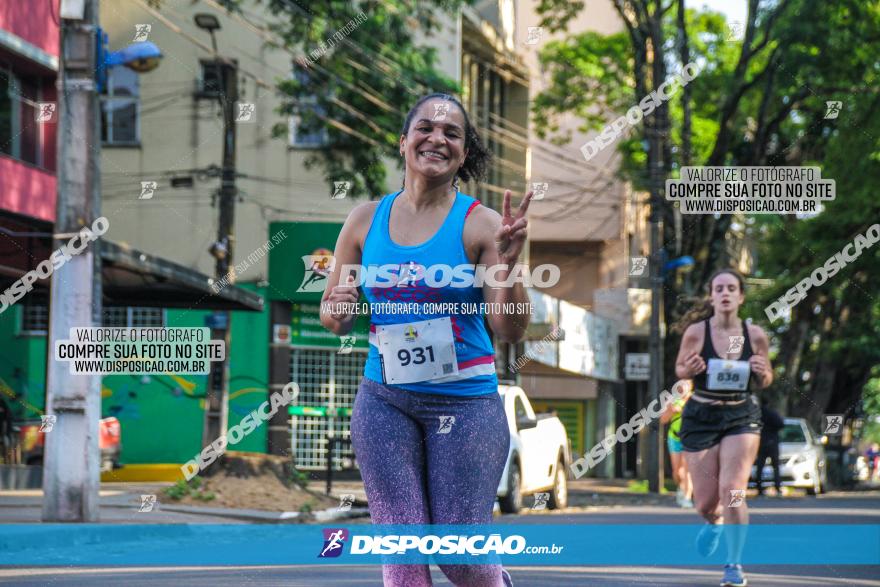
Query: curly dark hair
{"points": [[477, 161], [703, 308]]}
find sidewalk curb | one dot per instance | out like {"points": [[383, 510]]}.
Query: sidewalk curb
{"points": [[327, 515]]}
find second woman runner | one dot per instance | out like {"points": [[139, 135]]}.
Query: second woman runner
{"points": [[721, 423]]}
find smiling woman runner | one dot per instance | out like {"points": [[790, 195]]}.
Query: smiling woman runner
{"points": [[428, 426], [721, 424]]}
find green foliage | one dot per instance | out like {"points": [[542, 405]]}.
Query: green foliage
{"points": [[307, 507], [191, 488], [358, 86], [177, 491], [299, 478], [756, 101]]}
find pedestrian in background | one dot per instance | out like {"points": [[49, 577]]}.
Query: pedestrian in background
{"points": [[769, 447], [680, 473]]}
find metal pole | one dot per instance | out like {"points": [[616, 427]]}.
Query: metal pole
{"points": [[71, 458], [655, 470], [217, 412]]}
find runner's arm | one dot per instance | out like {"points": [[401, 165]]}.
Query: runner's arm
{"points": [[761, 358], [348, 251], [689, 363], [667, 414], [480, 229]]}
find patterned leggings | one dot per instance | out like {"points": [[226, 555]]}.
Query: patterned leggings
{"points": [[420, 467]]}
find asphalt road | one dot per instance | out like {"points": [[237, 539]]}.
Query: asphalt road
{"points": [[838, 508]]}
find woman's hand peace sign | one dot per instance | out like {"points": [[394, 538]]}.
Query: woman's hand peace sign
{"points": [[511, 236]]}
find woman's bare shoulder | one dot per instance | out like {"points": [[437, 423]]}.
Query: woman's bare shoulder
{"points": [[693, 333], [757, 334], [360, 219]]}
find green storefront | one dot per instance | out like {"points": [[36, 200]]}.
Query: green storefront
{"points": [[327, 368], [162, 416]]}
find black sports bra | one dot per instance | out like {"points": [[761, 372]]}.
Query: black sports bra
{"points": [[708, 352]]}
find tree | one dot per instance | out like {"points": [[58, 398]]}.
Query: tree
{"points": [[758, 101], [360, 70]]}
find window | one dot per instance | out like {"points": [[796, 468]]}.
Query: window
{"points": [[311, 132], [120, 108], [34, 317], [144, 317], [21, 136], [792, 433], [210, 81], [325, 378], [133, 317], [519, 409]]}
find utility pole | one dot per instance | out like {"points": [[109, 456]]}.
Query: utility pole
{"points": [[71, 458], [657, 128], [655, 470], [217, 400]]}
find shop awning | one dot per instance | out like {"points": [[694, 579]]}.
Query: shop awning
{"points": [[129, 277], [133, 278]]}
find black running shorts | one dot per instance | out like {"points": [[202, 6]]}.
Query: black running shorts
{"points": [[704, 425]]}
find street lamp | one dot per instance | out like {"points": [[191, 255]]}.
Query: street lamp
{"points": [[208, 22], [141, 57], [679, 263], [217, 396]]}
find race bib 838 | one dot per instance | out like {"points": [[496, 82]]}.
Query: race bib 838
{"points": [[727, 375]]}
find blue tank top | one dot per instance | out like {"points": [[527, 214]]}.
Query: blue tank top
{"points": [[473, 347]]}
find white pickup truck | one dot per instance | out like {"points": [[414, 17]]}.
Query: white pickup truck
{"points": [[539, 454]]}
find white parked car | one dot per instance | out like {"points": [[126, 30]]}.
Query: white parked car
{"points": [[539, 454], [801, 458]]}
